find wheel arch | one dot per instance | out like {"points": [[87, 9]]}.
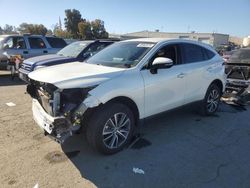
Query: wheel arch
{"points": [[128, 102], [219, 83]]}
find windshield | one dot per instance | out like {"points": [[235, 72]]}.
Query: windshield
{"points": [[122, 54], [73, 50]]}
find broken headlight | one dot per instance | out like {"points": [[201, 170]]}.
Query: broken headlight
{"points": [[71, 98]]}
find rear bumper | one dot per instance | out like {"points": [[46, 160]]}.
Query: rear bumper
{"points": [[58, 128]]}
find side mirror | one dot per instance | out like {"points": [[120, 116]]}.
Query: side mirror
{"points": [[161, 63]]}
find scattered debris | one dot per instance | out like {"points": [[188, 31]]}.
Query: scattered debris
{"points": [[11, 182], [238, 98], [56, 157], [10, 104], [138, 171]]}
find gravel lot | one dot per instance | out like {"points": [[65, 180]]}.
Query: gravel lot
{"points": [[177, 149]]}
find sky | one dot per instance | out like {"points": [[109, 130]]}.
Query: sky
{"points": [[125, 16]]}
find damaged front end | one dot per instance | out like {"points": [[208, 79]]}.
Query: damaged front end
{"points": [[238, 83], [238, 77], [59, 112]]}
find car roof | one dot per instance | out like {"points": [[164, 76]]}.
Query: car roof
{"points": [[154, 40], [93, 41], [177, 40], [244, 49], [28, 35]]}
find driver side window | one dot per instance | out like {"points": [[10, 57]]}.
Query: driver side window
{"points": [[169, 51], [16, 43]]}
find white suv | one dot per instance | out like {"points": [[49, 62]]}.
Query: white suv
{"points": [[126, 82]]}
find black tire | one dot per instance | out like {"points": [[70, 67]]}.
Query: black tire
{"points": [[102, 123], [210, 103], [12, 72]]}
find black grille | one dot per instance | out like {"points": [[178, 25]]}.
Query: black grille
{"points": [[26, 67]]}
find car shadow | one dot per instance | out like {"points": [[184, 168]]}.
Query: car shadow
{"points": [[5, 80], [163, 153]]}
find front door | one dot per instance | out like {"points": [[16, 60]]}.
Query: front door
{"points": [[165, 89], [16, 46]]}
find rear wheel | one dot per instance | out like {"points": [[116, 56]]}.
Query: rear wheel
{"points": [[211, 101], [111, 128]]}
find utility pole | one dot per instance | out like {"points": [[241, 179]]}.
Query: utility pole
{"points": [[60, 23]]}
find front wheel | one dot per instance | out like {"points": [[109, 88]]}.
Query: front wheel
{"points": [[110, 129], [12, 72], [211, 101]]}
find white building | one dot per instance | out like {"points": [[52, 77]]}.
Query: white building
{"points": [[214, 39]]}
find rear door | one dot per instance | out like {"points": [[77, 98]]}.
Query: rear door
{"points": [[37, 46], [199, 66]]}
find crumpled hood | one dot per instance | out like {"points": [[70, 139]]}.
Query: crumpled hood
{"points": [[43, 59], [75, 75]]}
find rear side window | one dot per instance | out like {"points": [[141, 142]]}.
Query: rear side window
{"points": [[36, 43], [56, 42], [193, 53], [209, 53]]}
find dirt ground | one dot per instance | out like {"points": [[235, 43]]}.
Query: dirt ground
{"points": [[177, 149]]}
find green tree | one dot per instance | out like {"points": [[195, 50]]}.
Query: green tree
{"points": [[9, 29], [61, 33], [34, 29], [1, 31], [49, 32], [84, 28], [98, 29], [73, 17]]}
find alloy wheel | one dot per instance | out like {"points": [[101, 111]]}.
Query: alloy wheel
{"points": [[213, 100], [116, 130]]}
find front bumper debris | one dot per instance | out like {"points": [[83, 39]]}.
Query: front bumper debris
{"points": [[58, 128]]}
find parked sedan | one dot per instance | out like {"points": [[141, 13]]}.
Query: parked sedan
{"points": [[77, 51]]}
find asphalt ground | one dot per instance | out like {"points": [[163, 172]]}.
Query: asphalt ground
{"points": [[178, 149]]}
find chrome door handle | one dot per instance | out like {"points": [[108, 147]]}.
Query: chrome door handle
{"points": [[181, 75]]}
